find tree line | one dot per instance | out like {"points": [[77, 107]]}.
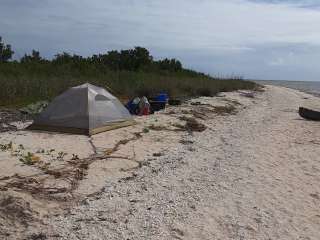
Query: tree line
{"points": [[135, 59]]}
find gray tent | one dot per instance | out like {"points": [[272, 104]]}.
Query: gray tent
{"points": [[85, 109]]}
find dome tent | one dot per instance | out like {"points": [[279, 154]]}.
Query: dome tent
{"points": [[85, 109]]}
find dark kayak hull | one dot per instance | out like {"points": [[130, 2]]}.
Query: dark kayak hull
{"points": [[309, 114]]}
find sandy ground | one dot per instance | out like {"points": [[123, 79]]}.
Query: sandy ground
{"points": [[253, 174]]}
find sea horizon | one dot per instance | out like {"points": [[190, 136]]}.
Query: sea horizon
{"points": [[312, 87]]}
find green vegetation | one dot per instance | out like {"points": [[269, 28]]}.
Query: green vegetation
{"points": [[30, 158], [128, 73], [27, 158]]}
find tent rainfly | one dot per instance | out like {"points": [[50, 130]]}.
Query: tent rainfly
{"points": [[85, 109]]}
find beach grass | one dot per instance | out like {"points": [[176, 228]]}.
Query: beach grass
{"points": [[26, 82]]}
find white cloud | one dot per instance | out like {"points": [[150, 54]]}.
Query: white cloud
{"points": [[204, 29]]}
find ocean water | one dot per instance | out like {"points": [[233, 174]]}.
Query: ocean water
{"points": [[309, 87]]}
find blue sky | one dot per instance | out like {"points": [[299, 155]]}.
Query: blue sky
{"points": [[257, 39]]}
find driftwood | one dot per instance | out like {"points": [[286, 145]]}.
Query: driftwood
{"points": [[309, 114]]}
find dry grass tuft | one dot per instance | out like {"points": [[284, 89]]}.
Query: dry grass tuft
{"points": [[191, 125], [224, 110], [158, 127], [186, 142]]}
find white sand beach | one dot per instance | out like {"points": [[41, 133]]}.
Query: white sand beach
{"points": [[252, 173]]}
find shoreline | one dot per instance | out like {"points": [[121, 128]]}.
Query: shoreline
{"points": [[281, 83], [250, 172]]}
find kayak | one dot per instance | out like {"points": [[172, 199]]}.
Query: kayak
{"points": [[309, 114]]}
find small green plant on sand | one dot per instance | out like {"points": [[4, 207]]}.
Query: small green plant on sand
{"points": [[145, 130], [27, 159]]}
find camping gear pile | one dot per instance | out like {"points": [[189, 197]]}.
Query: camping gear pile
{"points": [[144, 106], [139, 106]]}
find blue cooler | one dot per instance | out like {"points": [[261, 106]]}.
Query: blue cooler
{"points": [[162, 97], [159, 102]]}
